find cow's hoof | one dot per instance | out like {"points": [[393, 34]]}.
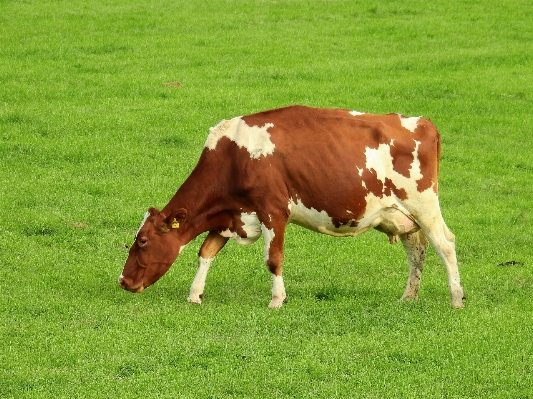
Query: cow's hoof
{"points": [[409, 297], [276, 302], [196, 300], [458, 304], [457, 299]]}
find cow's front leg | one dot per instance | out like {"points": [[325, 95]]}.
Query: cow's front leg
{"points": [[212, 244], [274, 261]]}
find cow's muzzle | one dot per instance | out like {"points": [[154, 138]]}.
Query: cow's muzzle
{"points": [[128, 285]]}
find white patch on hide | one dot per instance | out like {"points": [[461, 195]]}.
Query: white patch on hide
{"points": [[146, 216], [251, 227], [268, 236], [409, 123], [254, 138], [415, 171], [380, 160]]}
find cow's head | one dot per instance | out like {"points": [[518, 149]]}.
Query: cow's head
{"points": [[157, 245]]}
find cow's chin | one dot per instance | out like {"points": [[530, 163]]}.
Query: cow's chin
{"points": [[135, 290], [138, 289], [132, 288]]}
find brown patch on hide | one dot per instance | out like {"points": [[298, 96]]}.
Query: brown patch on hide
{"points": [[390, 189], [428, 155]]}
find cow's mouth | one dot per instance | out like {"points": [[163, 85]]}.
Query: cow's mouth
{"points": [[125, 284]]}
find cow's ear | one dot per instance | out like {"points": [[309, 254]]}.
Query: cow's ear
{"points": [[174, 220], [153, 211]]}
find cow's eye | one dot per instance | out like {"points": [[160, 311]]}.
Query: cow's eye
{"points": [[142, 241]]}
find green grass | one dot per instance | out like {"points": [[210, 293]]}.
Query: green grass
{"points": [[92, 134]]}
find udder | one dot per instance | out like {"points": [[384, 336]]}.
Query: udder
{"points": [[395, 223]]}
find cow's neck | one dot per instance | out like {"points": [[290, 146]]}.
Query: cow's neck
{"points": [[203, 197]]}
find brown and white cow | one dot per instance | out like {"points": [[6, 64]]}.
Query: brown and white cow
{"points": [[333, 171]]}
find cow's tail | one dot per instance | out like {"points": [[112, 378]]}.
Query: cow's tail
{"points": [[438, 152], [437, 155]]}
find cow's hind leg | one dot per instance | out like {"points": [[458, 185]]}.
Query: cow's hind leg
{"points": [[443, 240], [213, 243], [415, 245]]}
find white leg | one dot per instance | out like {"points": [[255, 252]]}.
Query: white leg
{"points": [[415, 246], [198, 284], [443, 240], [278, 292], [273, 237]]}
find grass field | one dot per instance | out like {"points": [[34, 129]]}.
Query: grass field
{"points": [[104, 109]]}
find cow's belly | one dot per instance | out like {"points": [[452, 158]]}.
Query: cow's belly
{"points": [[321, 222], [386, 215]]}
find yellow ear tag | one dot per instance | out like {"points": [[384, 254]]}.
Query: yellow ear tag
{"points": [[175, 224]]}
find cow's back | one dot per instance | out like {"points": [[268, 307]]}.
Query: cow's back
{"points": [[329, 160]]}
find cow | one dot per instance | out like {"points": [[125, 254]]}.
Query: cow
{"points": [[333, 171]]}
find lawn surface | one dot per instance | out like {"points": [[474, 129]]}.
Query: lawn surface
{"points": [[104, 110]]}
